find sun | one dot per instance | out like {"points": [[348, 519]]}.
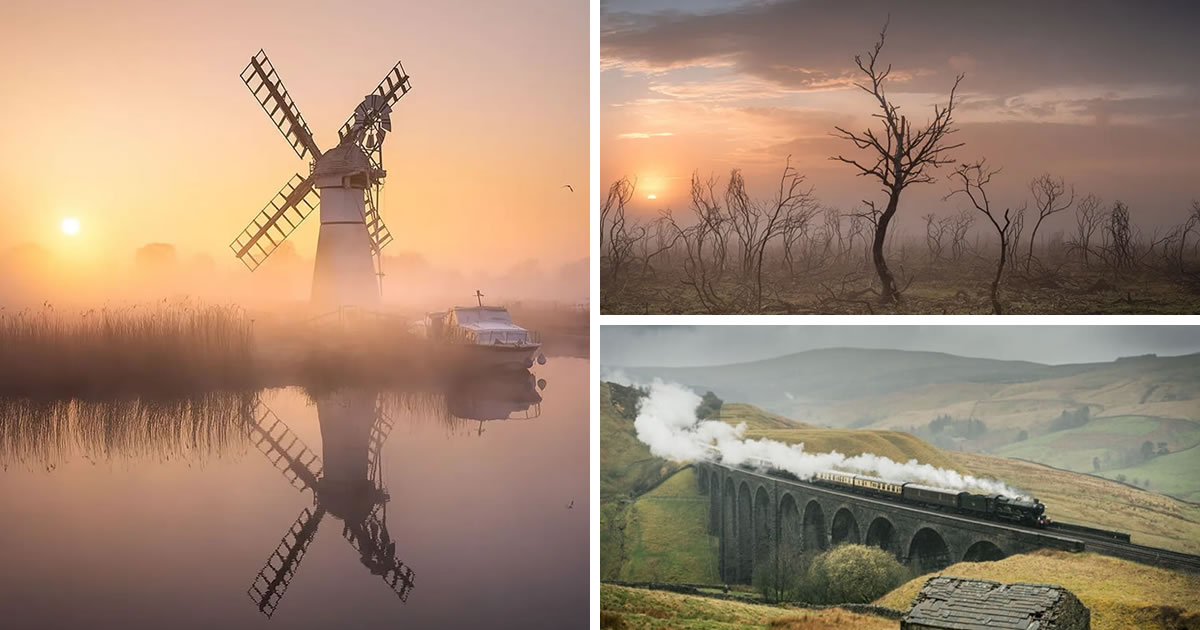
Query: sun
{"points": [[70, 226], [652, 196]]}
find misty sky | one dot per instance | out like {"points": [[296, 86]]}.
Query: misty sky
{"points": [[1105, 94], [130, 115], [681, 346]]}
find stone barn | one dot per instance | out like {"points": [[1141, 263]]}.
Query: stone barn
{"points": [[949, 603]]}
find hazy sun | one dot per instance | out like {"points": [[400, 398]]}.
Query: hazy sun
{"points": [[70, 226], [652, 196]]}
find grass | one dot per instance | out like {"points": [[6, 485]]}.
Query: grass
{"points": [[1150, 518], [1176, 475], [666, 535], [627, 468], [892, 444], [754, 418], [1119, 593], [164, 348], [643, 609], [183, 349]]}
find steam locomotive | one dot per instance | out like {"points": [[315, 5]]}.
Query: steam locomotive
{"points": [[995, 507], [990, 506]]}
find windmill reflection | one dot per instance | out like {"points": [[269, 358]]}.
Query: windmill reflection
{"points": [[505, 395], [348, 485]]}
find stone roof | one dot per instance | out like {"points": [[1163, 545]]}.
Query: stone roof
{"points": [[962, 604]]}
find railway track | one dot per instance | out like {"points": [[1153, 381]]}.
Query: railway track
{"points": [[1165, 558]]}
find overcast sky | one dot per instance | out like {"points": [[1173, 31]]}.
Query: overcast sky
{"points": [[679, 346], [1101, 93]]}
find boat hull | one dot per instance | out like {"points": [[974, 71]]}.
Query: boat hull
{"points": [[497, 356]]}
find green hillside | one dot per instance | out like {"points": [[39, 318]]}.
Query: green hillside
{"points": [[1119, 593], [1112, 447]]}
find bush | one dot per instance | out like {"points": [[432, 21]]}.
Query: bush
{"points": [[853, 574]]}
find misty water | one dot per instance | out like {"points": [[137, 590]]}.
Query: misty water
{"points": [[420, 509]]}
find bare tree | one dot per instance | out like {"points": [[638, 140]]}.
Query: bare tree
{"points": [[935, 230], [1120, 236], [958, 234], [973, 179], [902, 155], [1088, 218], [1048, 194], [617, 236]]}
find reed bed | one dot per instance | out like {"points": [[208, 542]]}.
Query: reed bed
{"points": [[167, 348]]}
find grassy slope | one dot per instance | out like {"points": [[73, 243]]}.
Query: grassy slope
{"points": [[639, 609], [667, 535], [627, 467], [893, 444], [1120, 594], [1177, 474], [1151, 519]]}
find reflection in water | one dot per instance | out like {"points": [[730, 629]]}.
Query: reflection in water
{"points": [[506, 395], [349, 486], [108, 520], [46, 432]]}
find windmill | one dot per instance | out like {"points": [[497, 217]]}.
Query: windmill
{"points": [[344, 182], [347, 485]]}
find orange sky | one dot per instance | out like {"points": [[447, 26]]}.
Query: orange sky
{"points": [[1105, 98], [131, 116]]}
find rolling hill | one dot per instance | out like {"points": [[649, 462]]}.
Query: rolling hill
{"points": [[861, 388]]}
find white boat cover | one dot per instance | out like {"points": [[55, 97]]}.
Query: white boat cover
{"points": [[490, 325]]}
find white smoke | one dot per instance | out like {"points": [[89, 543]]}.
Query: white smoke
{"points": [[667, 423]]}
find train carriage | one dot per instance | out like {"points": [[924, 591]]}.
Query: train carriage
{"points": [[875, 485], [931, 496]]}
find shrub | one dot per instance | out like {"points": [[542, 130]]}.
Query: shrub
{"points": [[854, 574]]}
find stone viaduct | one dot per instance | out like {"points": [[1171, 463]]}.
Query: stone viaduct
{"points": [[763, 519]]}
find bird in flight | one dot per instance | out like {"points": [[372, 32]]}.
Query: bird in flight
{"points": [[571, 504], [568, 187]]}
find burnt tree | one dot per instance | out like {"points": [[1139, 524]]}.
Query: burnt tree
{"points": [[899, 155], [973, 179]]}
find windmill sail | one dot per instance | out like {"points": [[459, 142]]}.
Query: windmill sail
{"points": [[284, 449], [272, 225], [379, 233], [377, 552], [391, 89], [276, 575], [266, 86]]}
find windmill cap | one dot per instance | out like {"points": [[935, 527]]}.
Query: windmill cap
{"points": [[343, 161]]}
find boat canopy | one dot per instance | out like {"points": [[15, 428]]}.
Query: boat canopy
{"points": [[490, 324]]}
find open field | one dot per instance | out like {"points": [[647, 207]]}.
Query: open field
{"points": [[1119, 593], [1176, 475], [1112, 446], [628, 608]]}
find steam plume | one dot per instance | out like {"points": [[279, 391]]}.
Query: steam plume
{"points": [[667, 423]]}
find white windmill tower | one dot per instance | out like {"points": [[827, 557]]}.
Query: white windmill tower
{"points": [[344, 181]]}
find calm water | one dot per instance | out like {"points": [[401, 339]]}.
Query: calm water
{"points": [[358, 509]]}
